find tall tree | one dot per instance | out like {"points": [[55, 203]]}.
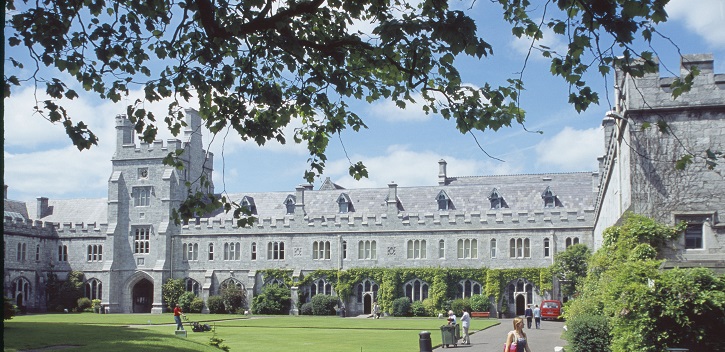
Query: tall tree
{"points": [[570, 267], [255, 65]]}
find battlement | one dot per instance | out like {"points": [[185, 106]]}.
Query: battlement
{"points": [[79, 227], [655, 92], [27, 226], [157, 149], [413, 221]]}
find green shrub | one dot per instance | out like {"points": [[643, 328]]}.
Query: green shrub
{"points": [[84, 303], [171, 290], [480, 303], [417, 309], [430, 307], [197, 305], [323, 305], [457, 305], [185, 301], [306, 309], [235, 299], [215, 304], [589, 333], [9, 309], [273, 299], [401, 307]]}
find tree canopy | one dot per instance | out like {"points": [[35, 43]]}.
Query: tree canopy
{"points": [[570, 267], [256, 65]]}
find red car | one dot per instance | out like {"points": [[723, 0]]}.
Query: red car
{"points": [[550, 310]]}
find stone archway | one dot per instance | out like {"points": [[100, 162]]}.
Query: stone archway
{"points": [[142, 295], [368, 303], [520, 304]]}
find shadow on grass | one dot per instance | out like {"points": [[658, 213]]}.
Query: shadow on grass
{"points": [[22, 336]]}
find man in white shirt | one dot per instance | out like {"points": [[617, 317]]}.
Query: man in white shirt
{"points": [[465, 322], [537, 316]]}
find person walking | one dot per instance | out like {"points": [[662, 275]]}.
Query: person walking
{"points": [[537, 316], [517, 337], [177, 317], [529, 314], [376, 310], [465, 323]]}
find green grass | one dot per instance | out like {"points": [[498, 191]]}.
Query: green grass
{"points": [[154, 332]]}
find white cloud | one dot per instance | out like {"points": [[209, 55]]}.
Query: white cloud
{"points": [[704, 17], [551, 40], [387, 110], [571, 150]]}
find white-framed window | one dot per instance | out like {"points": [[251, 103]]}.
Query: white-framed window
{"points": [[211, 251], [22, 248], [254, 250], [94, 289], [417, 249], [367, 286], [468, 248], [367, 250], [232, 250], [275, 250], [547, 248], [191, 251], [493, 248], [441, 249], [142, 240], [416, 290], [142, 196], [320, 287], [62, 253], [321, 250], [468, 288], [520, 248], [94, 253]]}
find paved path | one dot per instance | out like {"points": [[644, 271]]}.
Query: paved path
{"points": [[493, 338]]}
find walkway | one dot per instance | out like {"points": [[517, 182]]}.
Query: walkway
{"points": [[493, 338]]}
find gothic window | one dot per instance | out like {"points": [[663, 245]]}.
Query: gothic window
{"points": [[254, 250], [367, 286], [211, 251], [344, 249], [37, 252], [248, 205], [441, 249], [417, 249], [416, 290], [230, 283], [444, 202], [22, 247], [63, 253], [497, 201], [94, 289], [321, 250], [320, 287], [550, 199], [493, 248], [345, 204], [467, 249], [519, 248], [468, 288], [275, 250], [571, 241], [232, 250], [367, 250], [547, 248], [191, 285], [95, 253], [141, 196], [141, 240], [191, 251], [289, 204]]}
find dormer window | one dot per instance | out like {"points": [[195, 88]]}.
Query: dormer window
{"points": [[345, 204], [497, 201], [289, 203], [444, 202], [550, 199], [248, 205]]}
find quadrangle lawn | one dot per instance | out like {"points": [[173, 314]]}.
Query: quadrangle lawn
{"points": [[155, 332]]}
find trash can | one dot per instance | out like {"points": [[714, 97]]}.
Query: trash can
{"points": [[448, 335]]}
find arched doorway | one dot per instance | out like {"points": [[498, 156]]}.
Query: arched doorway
{"points": [[143, 296], [368, 304], [520, 304]]}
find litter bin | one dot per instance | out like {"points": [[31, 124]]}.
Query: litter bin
{"points": [[448, 334]]}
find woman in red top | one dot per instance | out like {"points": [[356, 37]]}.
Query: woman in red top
{"points": [[177, 318]]}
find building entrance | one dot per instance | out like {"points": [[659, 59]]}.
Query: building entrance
{"points": [[143, 296]]}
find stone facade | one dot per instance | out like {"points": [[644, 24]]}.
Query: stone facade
{"points": [[127, 247]]}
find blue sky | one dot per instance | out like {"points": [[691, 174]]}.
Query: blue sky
{"points": [[403, 146]]}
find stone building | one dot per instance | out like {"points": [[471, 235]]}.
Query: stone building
{"points": [[127, 246]]}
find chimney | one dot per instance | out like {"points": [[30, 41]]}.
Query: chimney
{"points": [[442, 175], [392, 201], [42, 208], [610, 124], [300, 199]]}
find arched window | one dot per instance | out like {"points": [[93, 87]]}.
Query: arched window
{"points": [[62, 253], [441, 249], [467, 248], [95, 253], [468, 288], [367, 286], [37, 252], [493, 248], [191, 285], [211, 251], [320, 287], [417, 249], [520, 248], [568, 242], [416, 290], [232, 250], [230, 282], [443, 201], [21, 291], [367, 250], [94, 289], [321, 250], [254, 250], [547, 248], [275, 250]]}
